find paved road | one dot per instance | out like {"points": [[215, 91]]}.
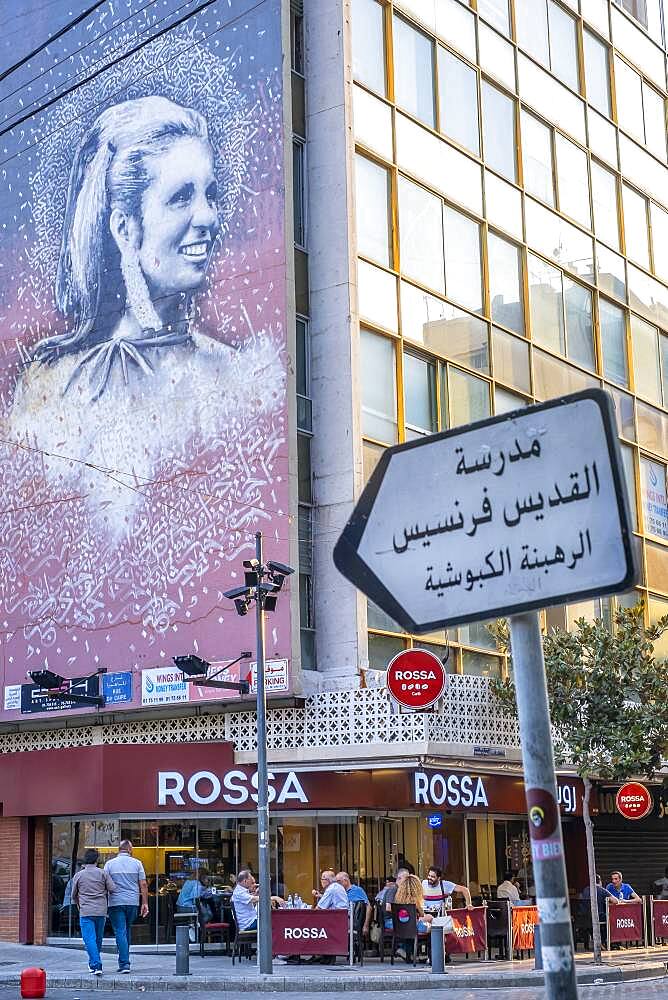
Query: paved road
{"points": [[648, 990]]}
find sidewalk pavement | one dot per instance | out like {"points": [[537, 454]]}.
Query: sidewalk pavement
{"points": [[67, 967]]}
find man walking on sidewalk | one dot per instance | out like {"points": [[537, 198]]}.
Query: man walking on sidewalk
{"points": [[130, 881], [89, 891]]}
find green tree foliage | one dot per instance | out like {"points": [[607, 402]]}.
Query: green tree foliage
{"points": [[608, 703]]}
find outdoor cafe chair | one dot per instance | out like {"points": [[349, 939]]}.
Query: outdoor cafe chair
{"points": [[405, 928], [358, 918], [385, 933], [210, 928], [242, 941], [497, 927]]}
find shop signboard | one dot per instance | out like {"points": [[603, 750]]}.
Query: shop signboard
{"points": [[469, 933], [309, 932], [634, 801], [117, 687], [127, 490], [163, 686], [626, 921], [415, 679], [523, 922], [36, 700], [510, 514], [660, 919]]}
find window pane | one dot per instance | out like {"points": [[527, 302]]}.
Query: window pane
{"points": [[373, 122], [545, 299], [552, 377], [479, 664], [506, 402], [655, 121], [652, 428], [463, 272], [505, 283], [563, 45], [302, 373], [413, 71], [419, 396], [499, 131], [629, 476], [645, 359], [458, 97], [496, 12], [298, 191], [531, 28], [537, 158], [573, 179], [511, 360], [657, 609], [613, 342], [381, 650], [469, 397], [443, 328], [628, 88], [624, 412], [421, 235], [635, 226], [369, 44], [659, 240], [597, 73], [579, 327], [371, 204], [611, 272], [604, 198], [653, 494], [379, 389]]}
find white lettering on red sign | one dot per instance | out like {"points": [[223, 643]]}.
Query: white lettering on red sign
{"points": [[204, 788], [305, 932], [454, 790]]}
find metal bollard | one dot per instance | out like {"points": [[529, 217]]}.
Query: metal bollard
{"points": [[182, 921], [537, 950], [437, 947]]}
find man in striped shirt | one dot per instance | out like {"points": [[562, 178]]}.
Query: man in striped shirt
{"points": [[437, 889]]}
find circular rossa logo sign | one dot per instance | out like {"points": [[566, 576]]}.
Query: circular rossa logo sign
{"points": [[634, 801], [415, 678]]}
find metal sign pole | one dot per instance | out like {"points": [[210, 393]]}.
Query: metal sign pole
{"points": [[544, 820], [264, 905]]}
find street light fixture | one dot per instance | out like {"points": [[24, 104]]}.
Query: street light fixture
{"points": [[57, 686], [195, 670], [262, 584]]}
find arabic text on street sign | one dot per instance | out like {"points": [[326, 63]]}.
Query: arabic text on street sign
{"points": [[513, 513]]}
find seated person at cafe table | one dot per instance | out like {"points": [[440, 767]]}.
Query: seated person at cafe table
{"points": [[410, 891], [333, 895], [620, 889], [244, 900], [437, 889], [356, 894], [507, 889]]}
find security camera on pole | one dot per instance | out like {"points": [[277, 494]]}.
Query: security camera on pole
{"points": [[262, 584]]}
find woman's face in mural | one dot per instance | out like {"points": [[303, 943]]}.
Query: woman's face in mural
{"points": [[179, 218]]}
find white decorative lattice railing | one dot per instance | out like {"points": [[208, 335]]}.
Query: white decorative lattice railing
{"points": [[469, 715]]}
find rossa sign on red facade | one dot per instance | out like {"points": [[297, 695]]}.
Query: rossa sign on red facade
{"points": [[415, 678], [634, 801]]}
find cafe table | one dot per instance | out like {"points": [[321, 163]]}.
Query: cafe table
{"points": [[307, 932]]}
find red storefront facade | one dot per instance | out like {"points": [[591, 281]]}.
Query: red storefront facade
{"points": [[190, 805]]}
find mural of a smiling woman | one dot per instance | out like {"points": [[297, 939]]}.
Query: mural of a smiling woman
{"points": [[131, 383]]}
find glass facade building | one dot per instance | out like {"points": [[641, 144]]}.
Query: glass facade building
{"points": [[511, 189]]}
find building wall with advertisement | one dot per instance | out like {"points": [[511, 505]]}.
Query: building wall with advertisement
{"points": [[144, 310]]}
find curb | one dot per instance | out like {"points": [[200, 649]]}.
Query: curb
{"points": [[336, 983]]}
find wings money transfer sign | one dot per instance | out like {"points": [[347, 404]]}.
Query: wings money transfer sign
{"points": [[509, 514]]}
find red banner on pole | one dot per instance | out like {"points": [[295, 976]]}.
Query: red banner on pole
{"points": [[524, 919], [309, 932], [625, 922], [470, 932], [660, 918]]}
